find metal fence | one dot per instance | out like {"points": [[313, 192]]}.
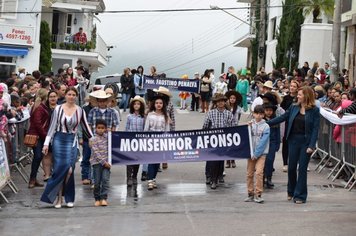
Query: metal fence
{"points": [[18, 155], [340, 152]]}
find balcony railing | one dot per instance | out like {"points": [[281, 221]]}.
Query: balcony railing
{"points": [[67, 42]]}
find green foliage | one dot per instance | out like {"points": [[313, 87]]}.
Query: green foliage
{"points": [[93, 38], [45, 53], [289, 35], [315, 7]]}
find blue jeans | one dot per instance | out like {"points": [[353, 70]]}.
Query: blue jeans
{"points": [[297, 185], [102, 182], [85, 164], [37, 158], [152, 171], [270, 159], [125, 100]]}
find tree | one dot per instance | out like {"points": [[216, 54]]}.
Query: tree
{"points": [[45, 53], [315, 7], [288, 36]]}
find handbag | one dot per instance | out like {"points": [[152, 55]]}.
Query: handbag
{"points": [[31, 140]]}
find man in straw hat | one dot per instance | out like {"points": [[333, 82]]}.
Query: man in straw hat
{"points": [[267, 87], [218, 117]]}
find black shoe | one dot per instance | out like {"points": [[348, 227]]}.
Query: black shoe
{"points": [[144, 176], [208, 180], [213, 185], [269, 183]]}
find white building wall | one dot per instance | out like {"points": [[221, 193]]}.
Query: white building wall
{"points": [[30, 61], [271, 43], [315, 43]]}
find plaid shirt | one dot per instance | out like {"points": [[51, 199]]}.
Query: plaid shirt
{"points": [[218, 119], [99, 149], [135, 123], [109, 116]]}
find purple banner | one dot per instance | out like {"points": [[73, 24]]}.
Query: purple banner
{"points": [[128, 148]]}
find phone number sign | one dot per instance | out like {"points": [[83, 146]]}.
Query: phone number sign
{"points": [[19, 35]]}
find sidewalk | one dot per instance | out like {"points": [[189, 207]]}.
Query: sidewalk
{"points": [[184, 205]]}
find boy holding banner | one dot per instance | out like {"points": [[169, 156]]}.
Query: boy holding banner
{"points": [[260, 144], [218, 117]]}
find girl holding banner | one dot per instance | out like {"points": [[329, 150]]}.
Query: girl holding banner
{"points": [[157, 121], [135, 123]]}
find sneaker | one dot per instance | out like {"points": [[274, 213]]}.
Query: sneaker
{"points": [[233, 164], [70, 204], [208, 180], [224, 174], [154, 184], [97, 203], [150, 185], [86, 182], [164, 166], [285, 168], [221, 180], [258, 199], [249, 198], [213, 185], [308, 169], [103, 202]]}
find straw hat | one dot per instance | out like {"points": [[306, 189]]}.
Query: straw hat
{"points": [[99, 94], [138, 98], [219, 97], [268, 84], [163, 90]]}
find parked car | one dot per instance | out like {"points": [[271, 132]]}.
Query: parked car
{"points": [[112, 81]]}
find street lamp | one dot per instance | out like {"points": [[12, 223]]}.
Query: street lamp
{"points": [[243, 21]]}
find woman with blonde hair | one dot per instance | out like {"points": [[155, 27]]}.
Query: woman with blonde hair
{"points": [[39, 123], [302, 133]]}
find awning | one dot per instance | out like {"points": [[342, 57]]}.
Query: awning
{"points": [[13, 51]]}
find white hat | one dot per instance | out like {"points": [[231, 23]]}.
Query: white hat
{"points": [[163, 90], [138, 98], [100, 94], [268, 84]]}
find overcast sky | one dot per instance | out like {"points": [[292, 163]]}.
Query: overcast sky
{"points": [[176, 43]]}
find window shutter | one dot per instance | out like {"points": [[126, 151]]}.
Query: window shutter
{"points": [[8, 9]]}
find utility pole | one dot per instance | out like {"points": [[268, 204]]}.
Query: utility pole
{"points": [[262, 35], [335, 46], [222, 67]]}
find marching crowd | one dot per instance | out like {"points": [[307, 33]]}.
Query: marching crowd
{"points": [[63, 115]]}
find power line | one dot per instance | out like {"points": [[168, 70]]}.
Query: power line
{"points": [[160, 10]]}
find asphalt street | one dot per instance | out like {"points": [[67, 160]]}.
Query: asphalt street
{"points": [[184, 205]]}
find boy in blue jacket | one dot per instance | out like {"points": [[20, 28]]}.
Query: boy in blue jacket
{"points": [[260, 144]]}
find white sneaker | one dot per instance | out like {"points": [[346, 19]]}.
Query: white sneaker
{"points": [[249, 199], [258, 199], [154, 184], [58, 206], [70, 204], [150, 185]]}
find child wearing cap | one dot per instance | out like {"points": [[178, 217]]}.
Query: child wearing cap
{"points": [[256, 164]]}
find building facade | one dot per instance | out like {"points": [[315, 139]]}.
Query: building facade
{"points": [[65, 17], [348, 39], [19, 36]]}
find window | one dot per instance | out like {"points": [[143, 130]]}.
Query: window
{"points": [[69, 24], [8, 9], [273, 27], [346, 6]]}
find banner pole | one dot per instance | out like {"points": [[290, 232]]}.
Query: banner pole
{"points": [[109, 147]]}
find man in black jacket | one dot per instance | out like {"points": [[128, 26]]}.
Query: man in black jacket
{"points": [[231, 76]]}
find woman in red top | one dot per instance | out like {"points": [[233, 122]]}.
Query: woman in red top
{"points": [[71, 80], [39, 123]]}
